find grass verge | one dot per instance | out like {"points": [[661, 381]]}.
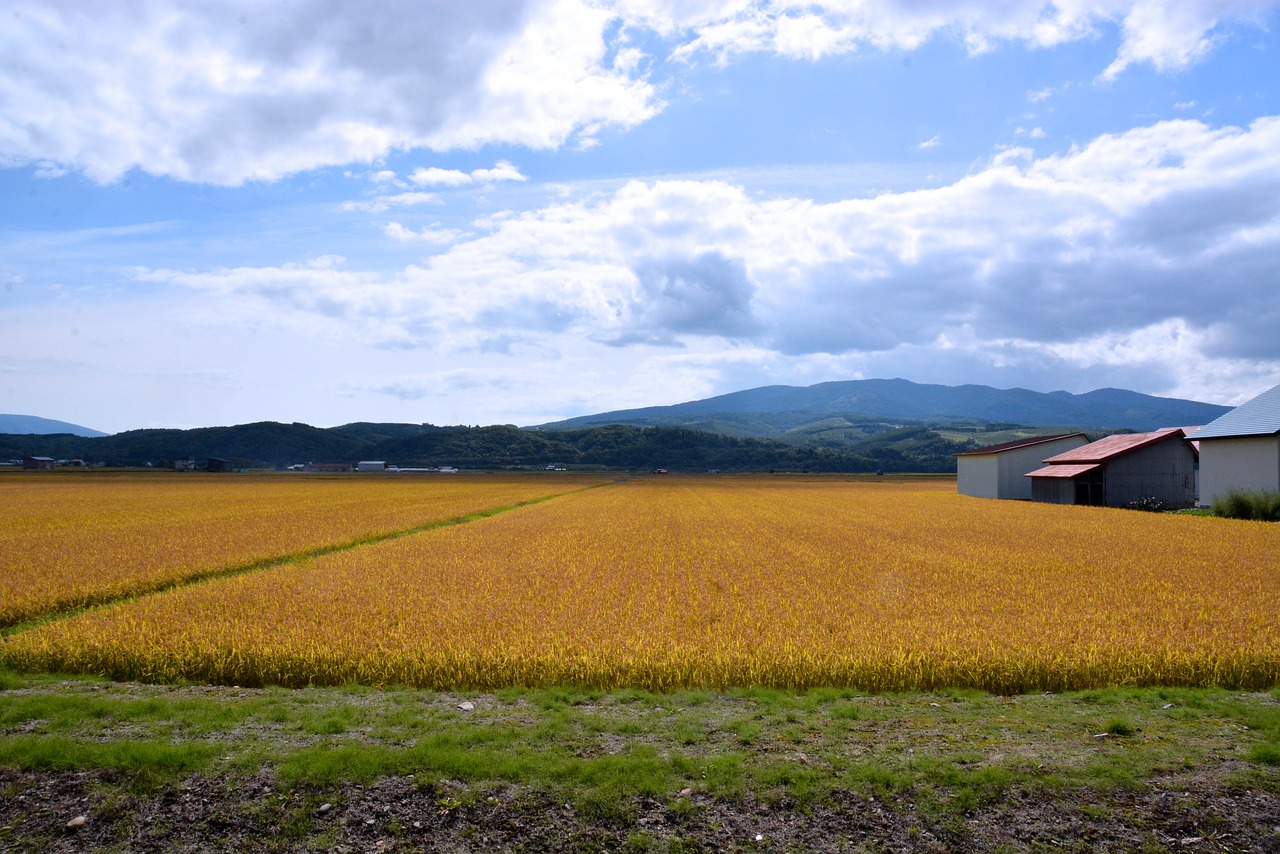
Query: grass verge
{"points": [[608, 762]]}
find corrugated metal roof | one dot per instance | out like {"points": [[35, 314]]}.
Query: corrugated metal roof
{"points": [[1113, 446], [1017, 443], [1258, 417], [1064, 470]]}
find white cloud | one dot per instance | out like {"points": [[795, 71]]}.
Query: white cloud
{"points": [[1169, 34], [436, 177], [1100, 263], [433, 235], [1173, 34], [241, 91], [932, 142], [397, 200], [501, 171]]}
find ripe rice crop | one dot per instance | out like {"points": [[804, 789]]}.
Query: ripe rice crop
{"points": [[77, 539], [718, 582]]}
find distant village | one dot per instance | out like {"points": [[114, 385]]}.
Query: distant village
{"points": [[1170, 468]]}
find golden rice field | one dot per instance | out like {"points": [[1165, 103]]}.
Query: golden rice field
{"points": [[714, 582], [76, 539]]}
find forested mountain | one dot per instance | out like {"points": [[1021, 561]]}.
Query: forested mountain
{"points": [[789, 413], [861, 425], [273, 445]]}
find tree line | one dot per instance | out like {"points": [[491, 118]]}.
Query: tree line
{"points": [[277, 445]]}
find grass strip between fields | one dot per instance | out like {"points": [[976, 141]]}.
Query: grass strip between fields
{"points": [[144, 590]]}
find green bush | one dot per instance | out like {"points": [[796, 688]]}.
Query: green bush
{"points": [[1257, 504]]}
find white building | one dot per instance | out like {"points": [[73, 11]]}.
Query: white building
{"points": [[371, 465], [998, 471], [1241, 450]]}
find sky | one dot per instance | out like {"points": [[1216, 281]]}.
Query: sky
{"points": [[518, 211]]}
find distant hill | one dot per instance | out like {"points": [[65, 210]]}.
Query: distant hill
{"points": [[867, 406], [274, 445], [857, 426], [42, 426]]}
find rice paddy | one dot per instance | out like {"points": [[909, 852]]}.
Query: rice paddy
{"points": [[664, 583]]}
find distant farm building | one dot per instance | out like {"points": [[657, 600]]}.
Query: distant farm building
{"points": [[328, 467], [1241, 450], [188, 464], [217, 464], [371, 465], [998, 471], [1121, 469], [38, 463]]}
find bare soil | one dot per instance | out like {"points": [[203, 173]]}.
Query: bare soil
{"points": [[1195, 813]]}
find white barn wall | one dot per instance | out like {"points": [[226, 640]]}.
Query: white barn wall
{"points": [[1003, 474], [1015, 464], [1238, 463], [978, 476]]}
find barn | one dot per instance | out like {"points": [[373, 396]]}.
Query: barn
{"points": [[1241, 450], [997, 471], [1121, 469]]}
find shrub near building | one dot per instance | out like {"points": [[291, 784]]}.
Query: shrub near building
{"points": [[1248, 504]]}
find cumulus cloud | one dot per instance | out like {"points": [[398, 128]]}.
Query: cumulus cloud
{"points": [[1099, 258], [243, 91], [709, 294], [238, 91], [1169, 34]]}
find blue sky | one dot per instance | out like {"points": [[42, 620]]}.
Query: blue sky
{"points": [[516, 212]]}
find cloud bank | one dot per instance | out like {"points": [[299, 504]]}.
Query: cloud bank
{"points": [[1109, 259]]}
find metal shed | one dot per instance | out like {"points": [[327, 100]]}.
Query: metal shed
{"points": [[1121, 469], [1241, 449], [997, 471]]}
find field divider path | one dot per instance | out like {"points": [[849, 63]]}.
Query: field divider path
{"points": [[262, 564]]}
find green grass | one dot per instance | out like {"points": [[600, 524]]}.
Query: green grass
{"points": [[608, 752]]}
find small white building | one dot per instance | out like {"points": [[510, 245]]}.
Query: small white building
{"points": [[371, 465], [1241, 450], [997, 471]]}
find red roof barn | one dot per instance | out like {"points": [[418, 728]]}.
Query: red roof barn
{"points": [[1121, 469]]}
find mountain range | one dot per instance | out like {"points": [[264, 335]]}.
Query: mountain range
{"points": [[860, 425], [787, 412]]}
